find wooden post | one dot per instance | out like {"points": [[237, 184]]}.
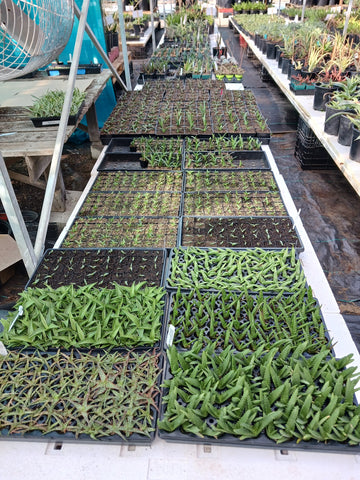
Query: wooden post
{"points": [[16, 220]]}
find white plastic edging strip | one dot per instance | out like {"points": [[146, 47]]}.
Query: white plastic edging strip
{"points": [[93, 177], [335, 323]]}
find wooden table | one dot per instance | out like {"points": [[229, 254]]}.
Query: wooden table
{"points": [[19, 139], [313, 118]]}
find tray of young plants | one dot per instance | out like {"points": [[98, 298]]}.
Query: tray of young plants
{"points": [[225, 159], [233, 143], [276, 398], [47, 109], [164, 153], [230, 203], [112, 232], [145, 181], [99, 267], [83, 397], [230, 180], [131, 203], [240, 232], [86, 317], [246, 320], [254, 270]]}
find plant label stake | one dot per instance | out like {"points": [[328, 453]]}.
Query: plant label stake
{"points": [[19, 314], [3, 351], [170, 336], [296, 217]]}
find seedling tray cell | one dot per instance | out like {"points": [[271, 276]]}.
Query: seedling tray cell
{"points": [[230, 204], [229, 180], [140, 181], [256, 270], [100, 267], [131, 203], [112, 232], [25, 416], [236, 232]]}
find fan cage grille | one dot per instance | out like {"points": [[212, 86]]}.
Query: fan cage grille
{"points": [[32, 34]]}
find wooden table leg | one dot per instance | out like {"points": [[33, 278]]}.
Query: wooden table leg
{"points": [[94, 132], [59, 202]]}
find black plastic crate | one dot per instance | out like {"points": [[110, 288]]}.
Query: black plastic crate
{"points": [[306, 136]]}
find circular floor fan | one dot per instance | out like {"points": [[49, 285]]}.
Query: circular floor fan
{"points": [[32, 34]]}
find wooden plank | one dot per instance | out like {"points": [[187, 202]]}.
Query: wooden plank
{"points": [[32, 141], [25, 179]]}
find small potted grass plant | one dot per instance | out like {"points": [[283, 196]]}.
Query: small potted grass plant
{"points": [[47, 109]]}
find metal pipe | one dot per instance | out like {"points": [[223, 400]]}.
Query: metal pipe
{"points": [[152, 26], [303, 11], [60, 138], [12, 210], [347, 18], [123, 44], [100, 49]]}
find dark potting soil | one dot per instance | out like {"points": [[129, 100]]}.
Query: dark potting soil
{"points": [[99, 266]]}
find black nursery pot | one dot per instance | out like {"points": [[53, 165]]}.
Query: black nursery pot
{"points": [[270, 51], [345, 131], [321, 96], [355, 145], [331, 124], [264, 46], [286, 62]]}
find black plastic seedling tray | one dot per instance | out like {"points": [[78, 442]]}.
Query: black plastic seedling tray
{"points": [[69, 437], [242, 160], [105, 266], [272, 332], [204, 270], [111, 348], [200, 231], [262, 441], [114, 161]]}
